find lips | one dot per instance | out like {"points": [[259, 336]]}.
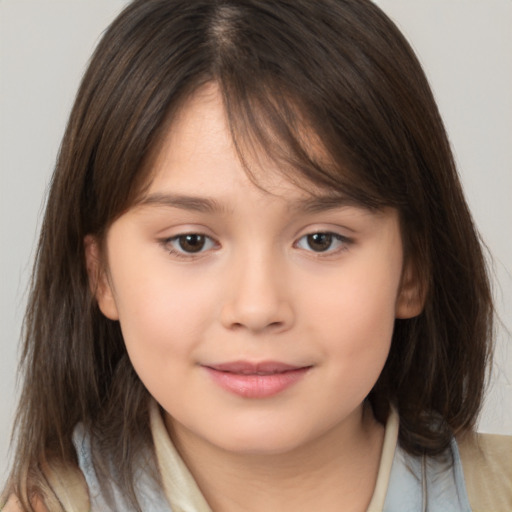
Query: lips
{"points": [[256, 380], [247, 368]]}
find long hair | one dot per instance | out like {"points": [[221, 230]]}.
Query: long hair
{"points": [[338, 69]]}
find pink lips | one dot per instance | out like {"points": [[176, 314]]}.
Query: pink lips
{"points": [[256, 380]]}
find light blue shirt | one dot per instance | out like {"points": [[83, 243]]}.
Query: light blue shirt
{"points": [[417, 484], [427, 484]]}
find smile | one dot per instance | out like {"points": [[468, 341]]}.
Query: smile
{"points": [[256, 380]]}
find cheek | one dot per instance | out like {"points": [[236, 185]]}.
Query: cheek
{"points": [[354, 313], [164, 316], [359, 300]]}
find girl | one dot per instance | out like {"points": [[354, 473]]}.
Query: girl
{"points": [[258, 285]]}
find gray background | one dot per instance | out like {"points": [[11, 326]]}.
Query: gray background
{"points": [[464, 45]]}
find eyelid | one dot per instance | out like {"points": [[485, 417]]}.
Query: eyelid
{"points": [[342, 242], [168, 244]]}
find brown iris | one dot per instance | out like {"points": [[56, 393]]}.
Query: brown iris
{"points": [[192, 243], [320, 242]]}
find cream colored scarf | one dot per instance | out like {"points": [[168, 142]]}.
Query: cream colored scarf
{"points": [[487, 462]]}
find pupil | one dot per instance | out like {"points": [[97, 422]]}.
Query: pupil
{"points": [[191, 243], [320, 241]]}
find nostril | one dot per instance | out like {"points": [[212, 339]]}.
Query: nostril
{"points": [[256, 310], [272, 325]]}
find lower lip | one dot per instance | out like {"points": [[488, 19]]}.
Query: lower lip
{"points": [[257, 386]]}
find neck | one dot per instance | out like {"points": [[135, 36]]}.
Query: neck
{"points": [[336, 472]]}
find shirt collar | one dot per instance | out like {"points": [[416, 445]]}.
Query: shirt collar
{"points": [[184, 495]]}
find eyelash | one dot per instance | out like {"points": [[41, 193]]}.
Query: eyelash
{"points": [[341, 241], [168, 245]]}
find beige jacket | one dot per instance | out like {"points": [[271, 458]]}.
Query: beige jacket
{"points": [[486, 460]]}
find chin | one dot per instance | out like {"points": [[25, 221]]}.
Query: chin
{"points": [[261, 442]]}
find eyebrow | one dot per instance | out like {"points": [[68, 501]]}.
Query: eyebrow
{"points": [[184, 202], [315, 204], [322, 203]]}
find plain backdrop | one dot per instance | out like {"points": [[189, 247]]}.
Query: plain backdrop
{"points": [[464, 45]]}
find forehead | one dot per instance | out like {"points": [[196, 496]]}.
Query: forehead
{"points": [[199, 152]]}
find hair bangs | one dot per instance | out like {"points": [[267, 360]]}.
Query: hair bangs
{"points": [[271, 127]]}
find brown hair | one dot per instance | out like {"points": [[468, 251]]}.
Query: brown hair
{"points": [[339, 67]]}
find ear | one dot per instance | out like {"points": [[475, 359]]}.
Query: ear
{"points": [[99, 282], [412, 293]]}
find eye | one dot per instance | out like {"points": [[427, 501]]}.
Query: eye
{"points": [[322, 242], [190, 243]]}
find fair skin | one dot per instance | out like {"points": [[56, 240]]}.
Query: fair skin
{"points": [[13, 505], [219, 284], [259, 318]]}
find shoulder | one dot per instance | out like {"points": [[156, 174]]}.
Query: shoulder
{"points": [[487, 465], [68, 485], [13, 505], [64, 489]]}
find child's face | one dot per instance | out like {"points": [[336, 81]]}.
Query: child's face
{"points": [[266, 327]]}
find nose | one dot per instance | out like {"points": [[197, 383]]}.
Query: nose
{"points": [[256, 297]]}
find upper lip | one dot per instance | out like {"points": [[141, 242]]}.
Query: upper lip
{"points": [[258, 368]]}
